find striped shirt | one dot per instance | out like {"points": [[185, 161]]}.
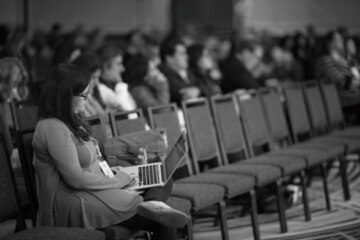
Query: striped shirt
{"points": [[329, 70]]}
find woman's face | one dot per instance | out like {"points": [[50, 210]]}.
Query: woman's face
{"points": [[79, 100], [113, 70], [205, 62]]}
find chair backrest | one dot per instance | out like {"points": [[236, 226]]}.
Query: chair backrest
{"points": [[254, 120], [10, 206], [332, 105], [99, 126], [229, 128], [24, 142], [316, 108], [5, 130], [203, 141], [24, 115], [166, 116], [275, 115], [296, 109], [127, 122]]}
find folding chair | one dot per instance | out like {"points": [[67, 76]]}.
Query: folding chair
{"points": [[318, 153], [232, 139], [127, 122], [206, 153], [166, 117], [24, 115], [100, 127], [336, 122], [11, 207]]}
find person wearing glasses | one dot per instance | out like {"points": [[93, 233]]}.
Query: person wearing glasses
{"points": [[75, 188]]}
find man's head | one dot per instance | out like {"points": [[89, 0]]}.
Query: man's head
{"points": [[173, 53], [111, 57]]}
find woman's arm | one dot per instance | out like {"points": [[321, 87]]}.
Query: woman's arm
{"points": [[61, 146]]}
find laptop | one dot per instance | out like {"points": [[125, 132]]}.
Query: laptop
{"points": [[159, 173]]}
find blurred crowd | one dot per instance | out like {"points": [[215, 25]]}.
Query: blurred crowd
{"points": [[138, 69]]}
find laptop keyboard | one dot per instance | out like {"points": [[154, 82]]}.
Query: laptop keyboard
{"points": [[149, 175]]}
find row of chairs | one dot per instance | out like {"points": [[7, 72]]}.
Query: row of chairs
{"points": [[252, 128]]}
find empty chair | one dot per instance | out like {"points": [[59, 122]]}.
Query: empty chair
{"points": [[206, 155], [24, 115], [300, 125], [232, 139], [99, 127], [127, 122]]}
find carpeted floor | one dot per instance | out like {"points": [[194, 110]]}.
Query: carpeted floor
{"points": [[342, 222]]}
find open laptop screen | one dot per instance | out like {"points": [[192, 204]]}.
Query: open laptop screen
{"points": [[176, 156]]}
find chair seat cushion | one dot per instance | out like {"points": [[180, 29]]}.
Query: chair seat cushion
{"points": [[57, 233], [234, 184], [350, 131], [180, 204], [312, 156], [334, 149], [287, 164], [263, 174], [200, 195], [352, 144]]}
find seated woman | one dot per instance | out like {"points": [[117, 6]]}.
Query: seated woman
{"points": [[73, 189], [148, 85], [203, 67]]}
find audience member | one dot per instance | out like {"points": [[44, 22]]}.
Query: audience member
{"points": [[334, 67], [237, 70], [174, 66], [148, 85], [112, 90], [204, 69], [73, 191]]}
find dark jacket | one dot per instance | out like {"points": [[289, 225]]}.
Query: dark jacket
{"points": [[236, 76]]}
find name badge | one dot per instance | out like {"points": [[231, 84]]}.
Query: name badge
{"points": [[106, 169]]}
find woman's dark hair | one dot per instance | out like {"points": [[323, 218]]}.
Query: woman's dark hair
{"points": [[107, 52], [63, 51], [88, 62], [62, 83], [195, 52], [137, 71]]}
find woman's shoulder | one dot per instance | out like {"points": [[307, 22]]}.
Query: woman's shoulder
{"points": [[51, 124]]}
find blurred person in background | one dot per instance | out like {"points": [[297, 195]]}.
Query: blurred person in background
{"points": [[113, 91], [333, 65], [13, 87], [205, 70], [65, 52], [242, 68], [147, 84], [182, 83]]}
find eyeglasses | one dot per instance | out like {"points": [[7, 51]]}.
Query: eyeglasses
{"points": [[84, 96]]}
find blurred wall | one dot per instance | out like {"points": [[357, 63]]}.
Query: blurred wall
{"points": [[289, 15], [112, 15]]}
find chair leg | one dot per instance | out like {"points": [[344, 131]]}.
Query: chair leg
{"points": [[223, 220], [189, 231], [281, 206], [254, 215], [305, 197], [20, 223], [326, 189], [344, 178]]}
